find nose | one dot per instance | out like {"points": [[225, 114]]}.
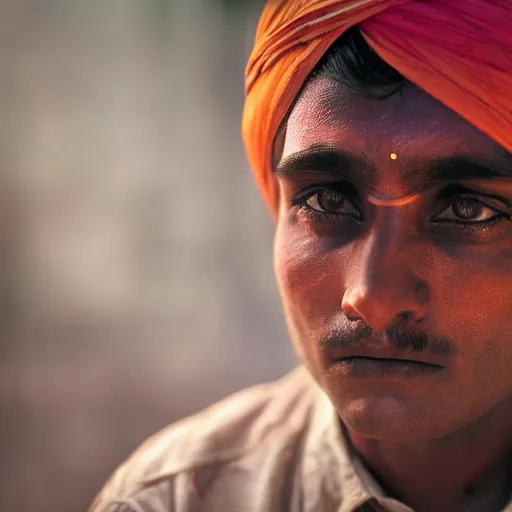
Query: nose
{"points": [[382, 289]]}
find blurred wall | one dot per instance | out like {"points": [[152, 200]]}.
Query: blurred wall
{"points": [[136, 283]]}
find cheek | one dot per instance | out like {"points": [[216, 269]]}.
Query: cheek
{"points": [[473, 288], [310, 277], [480, 319], [471, 303], [485, 301]]}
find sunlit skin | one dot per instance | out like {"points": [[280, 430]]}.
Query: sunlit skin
{"points": [[367, 245]]}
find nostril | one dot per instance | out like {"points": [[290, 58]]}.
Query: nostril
{"points": [[406, 315]]}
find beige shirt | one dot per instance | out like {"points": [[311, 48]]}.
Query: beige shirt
{"points": [[276, 447]]}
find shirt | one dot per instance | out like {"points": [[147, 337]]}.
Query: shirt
{"points": [[276, 447]]}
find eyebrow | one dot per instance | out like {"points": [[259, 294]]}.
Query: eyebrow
{"points": [[329, 161], [325, 160]]}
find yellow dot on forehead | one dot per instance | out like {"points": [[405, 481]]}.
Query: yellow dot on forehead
{"points": [[393, 156]]}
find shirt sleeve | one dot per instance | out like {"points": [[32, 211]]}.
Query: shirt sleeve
{"points": [[113, 506], [121, 495]]}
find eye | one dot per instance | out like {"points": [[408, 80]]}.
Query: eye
{"points": [[332, 202], [469, 210]]}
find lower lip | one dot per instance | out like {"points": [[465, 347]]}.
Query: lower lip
{"points": [[371, 367]]}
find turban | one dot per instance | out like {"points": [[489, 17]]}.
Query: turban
{"points": [[458, 51]]}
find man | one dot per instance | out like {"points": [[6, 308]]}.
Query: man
{"points": [[380, 133]]}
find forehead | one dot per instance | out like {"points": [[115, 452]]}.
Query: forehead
{"points": [[410, 123]]}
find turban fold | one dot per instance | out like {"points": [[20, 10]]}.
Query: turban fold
{"points": [[458, 51]]}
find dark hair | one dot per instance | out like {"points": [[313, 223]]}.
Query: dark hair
{"points": [[354, 63]]}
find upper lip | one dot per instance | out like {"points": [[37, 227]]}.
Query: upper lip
{"points": [[384, 352]]}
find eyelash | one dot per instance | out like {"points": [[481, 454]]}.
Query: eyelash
{"points": [[482, 224], [318, 216]]}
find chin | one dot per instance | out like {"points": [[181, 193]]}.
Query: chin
{"points": [[392, 419]]}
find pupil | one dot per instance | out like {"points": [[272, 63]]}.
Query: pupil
{"points": [[466, 208]]}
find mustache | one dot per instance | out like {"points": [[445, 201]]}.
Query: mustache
{"points": [[399, 337]]}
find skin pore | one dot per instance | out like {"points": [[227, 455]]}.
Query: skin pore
{"points": [[364, 275]]}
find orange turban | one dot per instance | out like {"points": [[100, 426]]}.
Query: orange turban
{"points": [[459, 51]]}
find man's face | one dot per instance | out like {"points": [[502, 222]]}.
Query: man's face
{"points": [[394, 244]]}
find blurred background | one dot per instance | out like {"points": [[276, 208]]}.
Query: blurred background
{"points": [[136, 282]]}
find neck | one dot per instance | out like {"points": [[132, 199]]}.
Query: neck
{"points": [[452, 473]]}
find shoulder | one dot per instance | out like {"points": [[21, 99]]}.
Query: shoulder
{"points": [[233, 428]]}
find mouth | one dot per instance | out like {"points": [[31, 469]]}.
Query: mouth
{"points": [[365, 366]]}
